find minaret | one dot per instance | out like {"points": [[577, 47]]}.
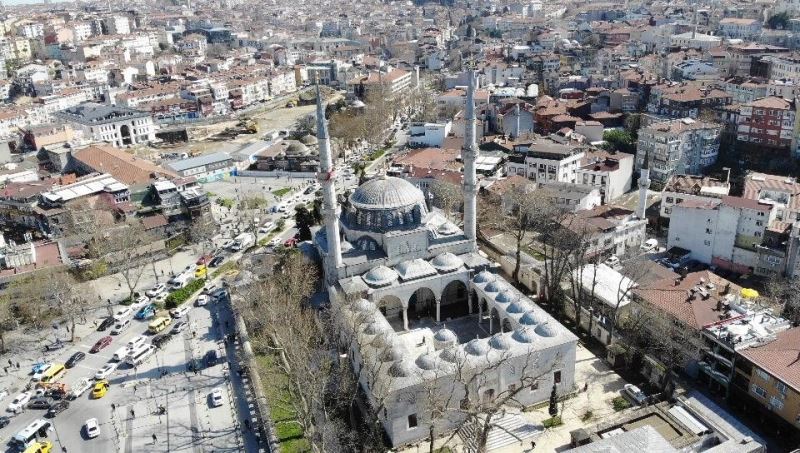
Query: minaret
{"points": [[326, 178], [644, 184], [517, 111], [469, 154]]}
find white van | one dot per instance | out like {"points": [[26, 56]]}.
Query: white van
{"points": [[120, 354], [121, 326], [28, 435], [139, 356], [136, 342], [179, 281]]}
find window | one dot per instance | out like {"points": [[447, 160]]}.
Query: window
{"points": [[758, 391], [557, 377], [762, 374], [670, 200], [707, 243], [781, 387], [759, 223], [708, 231], [412, 421], [775, 403]]}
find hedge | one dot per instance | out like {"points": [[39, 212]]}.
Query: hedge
{"points": [[182, 295], [620, 403], [552, 422]]}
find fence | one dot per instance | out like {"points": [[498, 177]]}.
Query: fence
{"points": [[276, 174]]}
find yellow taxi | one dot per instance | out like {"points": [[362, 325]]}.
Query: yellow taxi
{"points": [[40, 447], [100, 388], [201, 271]]}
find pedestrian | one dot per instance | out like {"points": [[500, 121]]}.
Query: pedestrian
{"points": [[134, 391], [17, 365], [533, 445], [133, 414], [95, 323], [155, 439], [64, 449], [6, 370], [10, 363], [585, 386], [113, 407]]}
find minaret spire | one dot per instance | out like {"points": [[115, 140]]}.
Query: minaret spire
{"points": [[330, 208], [469, 154]]}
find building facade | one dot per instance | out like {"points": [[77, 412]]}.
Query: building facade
{"points": [[683, 146]]}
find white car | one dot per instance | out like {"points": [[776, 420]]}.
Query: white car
{"points": [[179, 312], [649, 245], [92, 428], [216, 398], [635, 393], [19, 402], [135, 342], [81, 387], [202, 300], [3, 393], [161, 298], [156, 290], [140, 301], [120, 354], [106, 371], [122, 313], [42, 370]]}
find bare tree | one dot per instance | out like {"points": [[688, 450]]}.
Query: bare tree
{"points": [[783, 294], [127, 248], [8, 322], [446, 196]]}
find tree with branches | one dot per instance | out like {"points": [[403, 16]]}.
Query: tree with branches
{"points": [[446, 196]]}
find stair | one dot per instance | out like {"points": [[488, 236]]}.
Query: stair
{"points": [[507, 430]]}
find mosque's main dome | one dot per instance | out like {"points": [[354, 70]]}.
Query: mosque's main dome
{"points": [[386, 202]]}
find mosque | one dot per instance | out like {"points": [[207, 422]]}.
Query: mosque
{"points": [[422, 312]]}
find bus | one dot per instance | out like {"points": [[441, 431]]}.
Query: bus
{"points": [[54, 373], [139, 356], [27, 437], [159, 324]]}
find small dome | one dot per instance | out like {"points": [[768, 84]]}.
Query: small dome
{"points": [[309, 140], [295, 148], [363, 306], [447, 229], [505, 297], [391, 354], [524, 335], [401, 368], [494, 287], [427, 361], [500, 341], [446, 262], [532, 318], [546, 330], [484, 277], [380, 276], [477, 347], [444, 335], [517, 307]]}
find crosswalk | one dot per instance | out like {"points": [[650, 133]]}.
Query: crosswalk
{"points": [[506, 430]]}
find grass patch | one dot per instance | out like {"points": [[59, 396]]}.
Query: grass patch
{"points": [[289, 434], [225, 202], [552, 422], [182, 295], [586, 416], [281, 192], [225, 267], [376, 154], [620, 403]]}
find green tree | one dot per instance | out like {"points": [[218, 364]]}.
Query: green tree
{"points": [[619, 140], [304, 220], [778, 21]]}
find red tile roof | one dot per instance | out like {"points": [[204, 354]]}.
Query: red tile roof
{"points": [[125, 167], [780, 358]]}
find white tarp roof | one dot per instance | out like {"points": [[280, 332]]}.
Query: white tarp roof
{"points": [[609, 285]]}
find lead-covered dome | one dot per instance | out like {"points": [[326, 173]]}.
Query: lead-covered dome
{"points": [[446, 262], [505, 297], [483, 277], [532, 318], [386, 203], [380, 276]]}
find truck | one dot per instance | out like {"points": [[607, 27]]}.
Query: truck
{"points": [[243, 241]]}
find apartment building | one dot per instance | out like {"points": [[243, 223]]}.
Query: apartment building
{"points": [[545, 161], [768, 122], [394, 80], [782, 192], [611, 173], [683, 146], [116, 125], [739, 28], [680, 188]]}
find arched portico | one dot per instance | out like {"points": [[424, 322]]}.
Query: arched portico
{"points": [[421, 304], [454, 302]]}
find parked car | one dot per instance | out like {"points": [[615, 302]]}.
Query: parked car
{"points": [[216, 398], [80, 388], [135, 342], [291, 242], [146, 312], [179, 312], [649, 245], [138, 301], [216, 261], [39, 403], [218, 294], [159, 340], [72, 361], [40, 370], [120, 354], [92, 428], [161, 298], [106, 371], [203, 260], [121, 326], [18, 404], [4, 421], [211, 358], [100, 389], [108, 322], [201, 300], [101, 343], [635, 393], [57, 408], [179, 327], [123, 313], [156, 290]]}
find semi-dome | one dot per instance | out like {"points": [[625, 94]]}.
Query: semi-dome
{"points": [[444, 335], [494, 287], [524, 335], [484, 277], [401, 368], [546, 330], [447, 229], [500, 341], [477, 347], [517, 307], [386, 192], [380, 276], [386, 203], [446, 262], [505, 297], [532, 318], [427, 361], [309, 140]]}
